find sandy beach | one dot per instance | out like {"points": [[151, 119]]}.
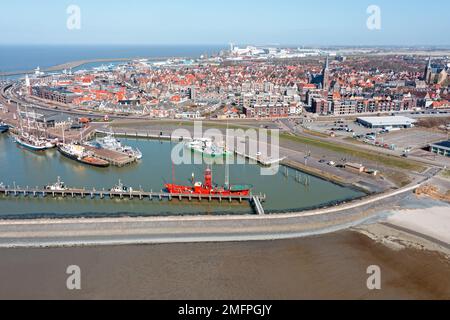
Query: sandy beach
{"points": [[422, 224]]}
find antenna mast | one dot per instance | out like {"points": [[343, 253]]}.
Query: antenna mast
{"points": [[227, 167]]}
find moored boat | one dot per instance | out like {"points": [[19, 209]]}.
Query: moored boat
{"points": [[31, 143], [121, 188], [57, 186], [111, 143], [79, 154], [207, 147], [207, 188]]}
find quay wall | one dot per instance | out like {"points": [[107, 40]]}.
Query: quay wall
{"points": [[154, 230]]}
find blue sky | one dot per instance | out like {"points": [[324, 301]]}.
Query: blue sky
{"points": [[299, 22]]}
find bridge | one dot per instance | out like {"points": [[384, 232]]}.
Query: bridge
{"points": [[257, 205]]}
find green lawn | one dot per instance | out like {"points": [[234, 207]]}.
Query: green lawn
{"points": [[387, 160], [446, 174]]}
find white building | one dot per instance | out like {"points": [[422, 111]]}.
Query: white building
{"points": [[387, 122]]}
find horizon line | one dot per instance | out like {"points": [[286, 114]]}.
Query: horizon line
{"points": [[446, 46]]}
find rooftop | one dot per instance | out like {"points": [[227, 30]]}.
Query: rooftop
{"points": [[388, 120], [444, 144]]}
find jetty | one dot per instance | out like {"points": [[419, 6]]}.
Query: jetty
{"points": [[115, 158], [261, 159], [40, 193]]}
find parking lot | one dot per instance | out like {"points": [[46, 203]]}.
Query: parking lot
{"points": [[415, 138], [399, 140], [341, 128]]}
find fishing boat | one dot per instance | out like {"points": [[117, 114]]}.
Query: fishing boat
{"points": [[57, 186], [111, 143], [32, 143], [50, 144], [207, 147], [79, 154], [207, 188], [121, 188]]}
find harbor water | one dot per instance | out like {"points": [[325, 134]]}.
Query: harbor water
{"points": [[287, 190]]}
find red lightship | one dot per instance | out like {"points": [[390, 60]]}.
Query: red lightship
{"points": [[207, 188]]}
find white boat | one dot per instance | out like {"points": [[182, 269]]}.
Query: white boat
{"points": [[57, 186], [207, 147], [121, 188], [111, 143], [50, 144], [32, 143]]}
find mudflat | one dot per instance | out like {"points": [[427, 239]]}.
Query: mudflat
{"points": [[321, 267]]}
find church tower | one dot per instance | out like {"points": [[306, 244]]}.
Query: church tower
{"points": [[428, 76], [326, 75]]}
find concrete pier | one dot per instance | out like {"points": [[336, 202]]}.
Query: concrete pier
{"points": [[254, 200], [115, 158], [260, 159]]}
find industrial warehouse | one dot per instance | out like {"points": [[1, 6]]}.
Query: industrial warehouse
{"points": [[387, 122], [441, 148]]}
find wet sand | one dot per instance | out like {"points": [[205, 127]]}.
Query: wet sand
{"points": [[332, 266]]}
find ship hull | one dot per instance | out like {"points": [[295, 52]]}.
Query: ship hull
{"points": [[29, 146], [99, 164], [175, 189]]}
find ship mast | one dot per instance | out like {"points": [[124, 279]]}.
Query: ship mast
{"points": [[28, 118], [227, 166], [20, 119]]}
